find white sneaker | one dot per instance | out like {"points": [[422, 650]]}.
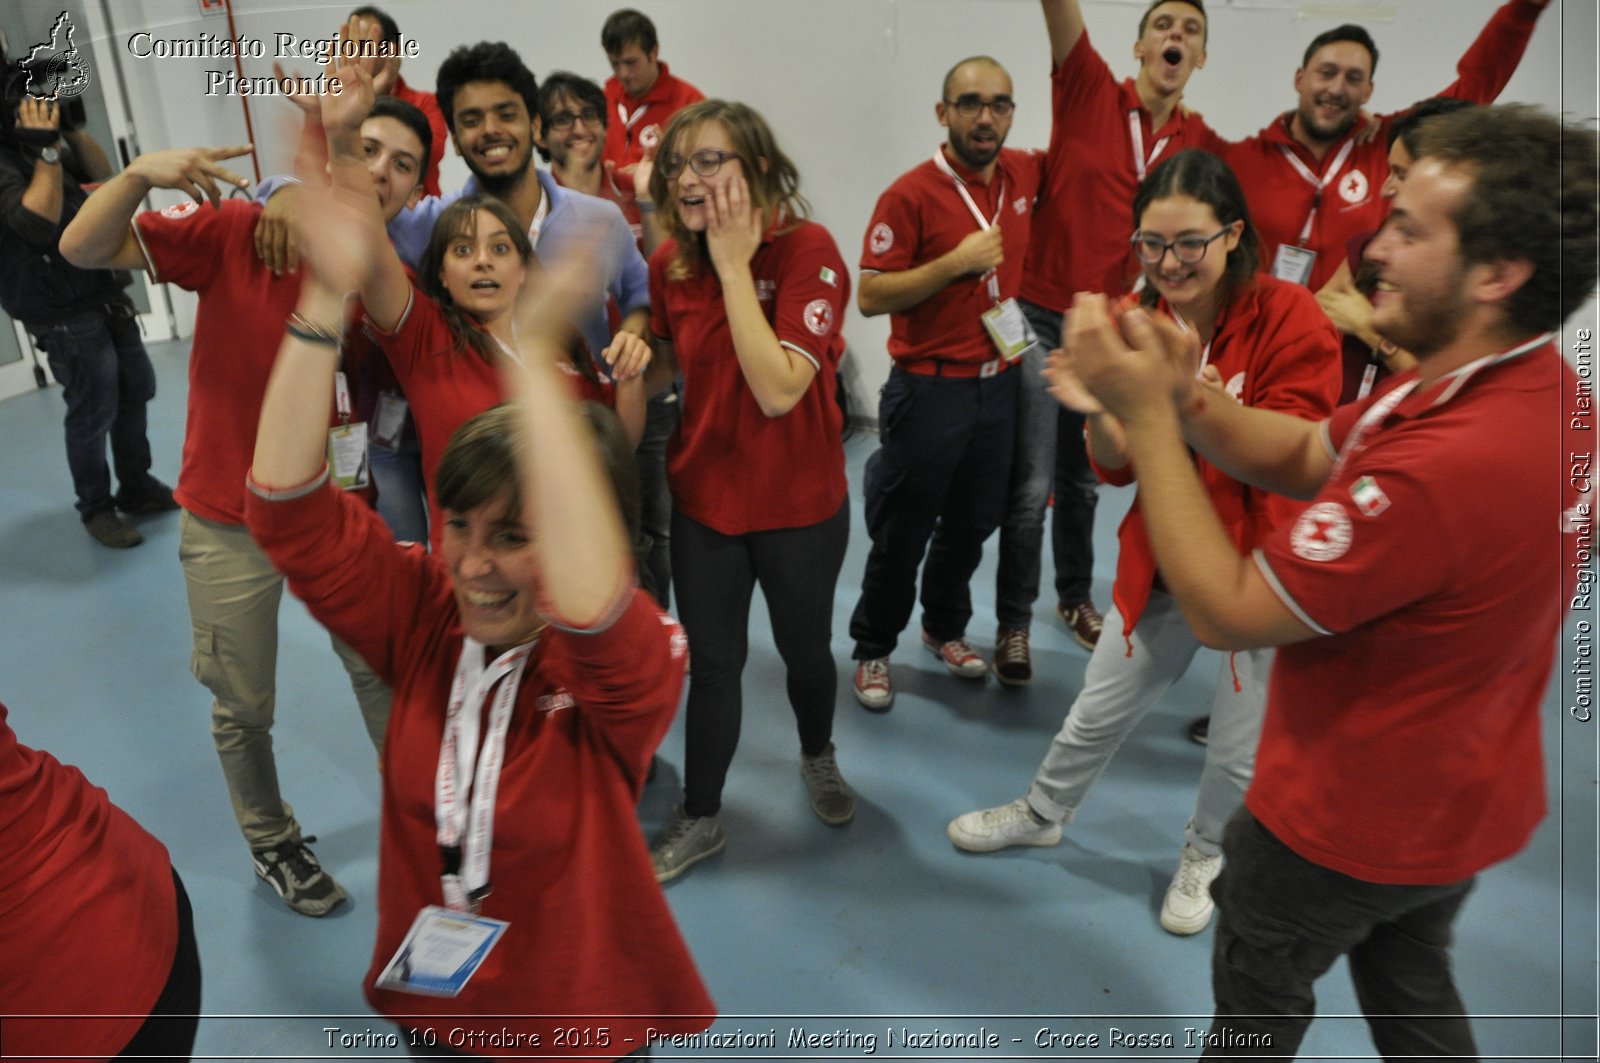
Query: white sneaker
{"points": [[989, 829], [688, 841], [1187, 907]]}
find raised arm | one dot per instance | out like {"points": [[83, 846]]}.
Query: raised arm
{"points": [[1493, 57], [568, 503], [1063, 20], [384, 289], [101, 236], [777, 376]]}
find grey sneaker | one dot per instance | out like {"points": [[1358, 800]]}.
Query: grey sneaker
{"points": [[688, 841], [292, 869], [1187, 907], [990, 829], [831, 797]]}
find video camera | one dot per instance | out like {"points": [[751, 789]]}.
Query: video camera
{"points": [[14, 83]]}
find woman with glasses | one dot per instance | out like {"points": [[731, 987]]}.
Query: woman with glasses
{"points": [[747, 297], [1259, 341]]}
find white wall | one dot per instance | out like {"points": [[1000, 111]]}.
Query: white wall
{"points": [[849, 85]]}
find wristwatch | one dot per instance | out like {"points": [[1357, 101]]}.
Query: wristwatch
{"points": [[50, 155]]}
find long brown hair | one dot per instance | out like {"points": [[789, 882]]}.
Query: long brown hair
{"points": [[461, 219], [774, 182]]}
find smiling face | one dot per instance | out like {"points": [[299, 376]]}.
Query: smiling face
{"points": [[493, 133], [977, 140], [1400, 163], [483, 270], [1333, 86], [636, 68], [394, 159], [1172, 46], [1190, 288], [577, 146], [494, 573], [690, 189], [1421, 301]]}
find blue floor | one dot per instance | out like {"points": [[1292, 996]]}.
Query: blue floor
{"points": [[798, 928]]}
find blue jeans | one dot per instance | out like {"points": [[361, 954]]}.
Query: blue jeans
{"points": [[1050, 457], [106, 379], [1283, 921], [402, 494]]}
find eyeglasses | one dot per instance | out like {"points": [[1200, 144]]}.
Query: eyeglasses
{"points": [[564, 119], [705, 163], [1151, 249], [970, 106]]}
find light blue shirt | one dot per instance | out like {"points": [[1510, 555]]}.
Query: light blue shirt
{"points": [[570, 215]]}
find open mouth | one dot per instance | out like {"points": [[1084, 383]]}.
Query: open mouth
{"points": [[483, 600], [693, 201], [1173, 56], [496, 152], [485, 285]]}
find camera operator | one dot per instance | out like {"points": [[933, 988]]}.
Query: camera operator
{"points": [[82, 319]]}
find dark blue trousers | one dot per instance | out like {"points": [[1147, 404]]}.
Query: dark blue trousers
{"points": [[938, 484]]}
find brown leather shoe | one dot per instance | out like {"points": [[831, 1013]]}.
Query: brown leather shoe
{"points": [[110, 530], [1012, 665], [1084, 621]]}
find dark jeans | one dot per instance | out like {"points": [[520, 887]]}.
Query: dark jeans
{"points": [[798, 569], [655, 497], [106, 379], [1283, 921], [940, 474], [170, 1030], [1051, 457]]}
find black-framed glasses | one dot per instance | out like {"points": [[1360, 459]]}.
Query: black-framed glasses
{"points": [[970, 105], [705, 163], [564, 119], [1189, 248]]}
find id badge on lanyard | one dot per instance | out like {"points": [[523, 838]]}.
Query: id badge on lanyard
{"points": [[1008, 329], [1295, 263], [347, 442]]}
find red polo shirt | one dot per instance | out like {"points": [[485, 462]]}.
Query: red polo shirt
{"points": [[635, 124], [1281, 198], [1086, 205], [428, 104], [1405, 747], [923, 216], [237, 329], [731, 467]]}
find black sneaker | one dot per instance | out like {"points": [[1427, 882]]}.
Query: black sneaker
{"points": [[1200, 731], [108, 529], [292, 869], [155, 497]]}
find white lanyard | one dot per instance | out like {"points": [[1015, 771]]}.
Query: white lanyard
{"points": [[465, 835], [993, 276], [630, 120], [1384, 406], [538, 217], [1318, 183], [1136, 130], [341, 397], [1205, 355]]}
